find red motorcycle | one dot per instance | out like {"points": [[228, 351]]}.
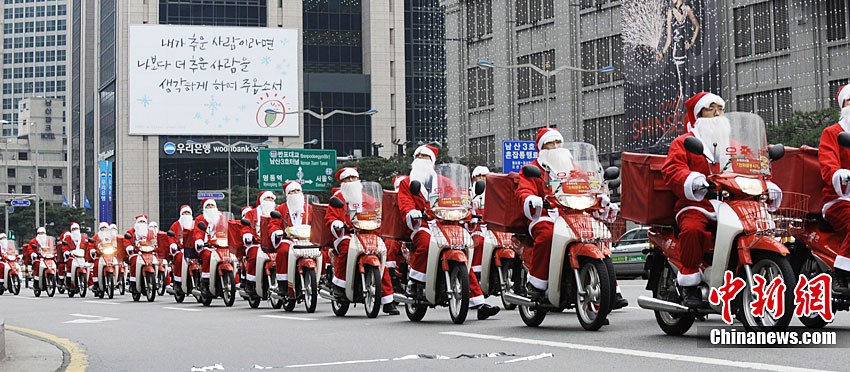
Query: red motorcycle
{"points": [[77, 282], [44, 268], [10, 267], [107, 268], [146, 268], [222, 273]]}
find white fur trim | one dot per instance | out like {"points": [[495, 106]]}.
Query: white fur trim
{"points": [[538, 283], [477, 300], [388, 299], [205, 275], [480, 171], [348, 172], [688, 280], [842, 263], [391, 264], [539, 220], [710, 215], [251, 278], [618, 289], [398, 182], [247, 238], [836, 182], [549, 136], [416, 275], [706, 101], [692, 179], [335, 226], [292, 186], [476, 269], [425, 150], [843, 95], [178, 279], [186, 209], [281, 277], [264, 194], [338, 281]]}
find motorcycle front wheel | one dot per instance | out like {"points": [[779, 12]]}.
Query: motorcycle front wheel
{"points": [[110, 285], [149, 286], [593, 307], [228, 288], [122, 284], [459, 298], [311, 291], [160, 283], [769, 265], [50, 285], [16, 285], [82, 286], [372, 291]]}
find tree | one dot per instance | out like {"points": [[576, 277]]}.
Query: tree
{"points": [[59, 219], [802, 128]]}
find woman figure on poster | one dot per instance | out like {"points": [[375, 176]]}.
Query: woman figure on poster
{"points": [[677, 22]]}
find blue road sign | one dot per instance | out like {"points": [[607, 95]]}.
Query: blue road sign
{"points": [[515, 154], [215, 195], [20, 203]]}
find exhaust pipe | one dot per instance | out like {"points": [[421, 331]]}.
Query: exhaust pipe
{"points": [[170, 291], [276, 296], [196, 293], [661, 305], [324, 293], [400, 298], [516, 299], [244, 295]]}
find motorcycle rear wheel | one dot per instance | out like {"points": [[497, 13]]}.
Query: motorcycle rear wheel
{"points": [[811, 269], [531, 316], [372, 292], [506, 273], [276, 304], [671, 324], [228, 288], [50, 285], [311, 290], [415, 313], [160, 283], [340, 308], [459, 283]]}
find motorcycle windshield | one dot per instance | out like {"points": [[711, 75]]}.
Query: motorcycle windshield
{"points": [[147, 243], [368, 216], [10, 249], [450, 197], [746, 151], [49, 246], [575, 171], [218, 233]]}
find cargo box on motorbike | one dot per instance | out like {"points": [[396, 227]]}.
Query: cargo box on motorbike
{"points": [[162, 244], [502, 208], [265, 234], [393, 224], [645, 197], [319, 234], [121, 251], [189, 251], [799, 171], [234, 237]]}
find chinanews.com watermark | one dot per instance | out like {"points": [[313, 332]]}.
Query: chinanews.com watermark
{"points": [[793, 337]]}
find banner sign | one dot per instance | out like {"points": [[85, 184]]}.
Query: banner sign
{"points": [[314, 169], [515, 154]]}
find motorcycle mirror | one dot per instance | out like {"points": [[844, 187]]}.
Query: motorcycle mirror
{"points": [[202, 225], [246, 222], [531, 171], [91, 240], [171, 233], [479, 187], [275, 214], [611, 173], [777, 151], [415, 187], [844, 140], [693, 145], [126, 236], [336, 203], [613, 184]]}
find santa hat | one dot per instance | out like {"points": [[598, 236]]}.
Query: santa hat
{"points": [[73, 225], [154, 225], [397, 181], [2, 236], [346, 172], [113, 226], [843, 95], [290, 186], [141, 218], [480, 171], [41, 230], [265, 194], [102, 225], [546, 135], [185, 208], [427, 150], [209, 201], [245, 210], [695, 104]]}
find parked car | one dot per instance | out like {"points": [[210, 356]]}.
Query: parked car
{"points": [[627, 253]]}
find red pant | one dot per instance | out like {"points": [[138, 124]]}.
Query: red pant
{"points": [[393, 252], [838, 215], [386, 287], [133, 266], [478, 251], [540, 253], [177, 266], [419, 265], [251, 263], [2, 271], [341, 262], [281, 261], [694, 239], [205, 256]]}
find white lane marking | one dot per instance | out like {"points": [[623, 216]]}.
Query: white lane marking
{"points": [[338, 363], [88, 319], [86, 316], [285, 317], [102, 302], [180, 308], [633, 285], [26, 298], [638, 353]]}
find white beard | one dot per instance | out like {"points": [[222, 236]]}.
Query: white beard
{"points": [[4, 244], [712, 131], [353, 194], [187, 222], [266, 207], [141, 230], [41, 239], [558, 162], [212, 216], [76, 237], [295, 203], [103, 235], [422, 170], [845, 118]]}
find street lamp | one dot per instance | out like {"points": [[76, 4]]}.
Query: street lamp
{"points": [[324, 116], [548, 74], [310, 142]]}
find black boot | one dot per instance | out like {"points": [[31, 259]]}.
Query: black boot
{"points": [[619, 302], [251, 288], [415, 289], [205, 287], [485, 311], [533, 292], [390, 309], [839, 282], [691, 296], [283, 287]]}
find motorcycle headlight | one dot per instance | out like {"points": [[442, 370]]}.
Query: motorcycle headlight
{"points": [[108, 250], [221, 242], [300, 232], [750, 186], [146, 248], [577, 202], [451, 214], [11, 258], [368, 225], [78, 253]]}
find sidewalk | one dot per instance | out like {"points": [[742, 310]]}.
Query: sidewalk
{"points": [[24, 353]]}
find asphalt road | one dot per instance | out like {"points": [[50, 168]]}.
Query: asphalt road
{"points": [[120, 335]]}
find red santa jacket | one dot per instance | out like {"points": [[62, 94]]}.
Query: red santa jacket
{"points": [[678, 167], [197, 233], [136, 240], [532, 186], [408, 202], [287, 218], [340, 214], [254, 228], [831, 157]]}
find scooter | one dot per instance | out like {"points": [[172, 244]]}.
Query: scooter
{"points": [[304, 265], [146, 269], [107, 268], [222, 282], [45, 272], [77, 281], [500, 265], [264, 273], [451, 247], [367, 255], [580, 271], [10, 267], [744, 242]]}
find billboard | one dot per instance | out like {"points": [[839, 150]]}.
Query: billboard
{"points": [[105, 203], [314, 169], [201, 80], [671, 50]]}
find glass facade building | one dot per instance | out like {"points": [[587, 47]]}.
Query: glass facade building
{"points": [[425, 80]]}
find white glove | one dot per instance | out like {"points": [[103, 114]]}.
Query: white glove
{"points": [[199, 245], [247, 238], [531, 205], [93, 253], [173, 248], [336, 226], [66, 254], [277, 238], [696, 187], [841, 176], [774, 194], [413, 219], [129, 250], [34, 256]]}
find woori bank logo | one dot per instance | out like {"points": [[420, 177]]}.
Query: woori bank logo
{"points": [[169, 148]]}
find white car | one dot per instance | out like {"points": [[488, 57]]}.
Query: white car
{"points": [[627, 253]]}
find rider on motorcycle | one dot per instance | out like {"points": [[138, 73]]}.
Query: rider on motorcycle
{"points": [[4, 245], [210, 216], [139, 232], [39, 241], [184, 222], [411, 206], [74, 240], [835, 171], [250, 235], [686, 174], [294, 211], [102, 235]]}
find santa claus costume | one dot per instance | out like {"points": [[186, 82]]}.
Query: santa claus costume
{"points": [[251, 234], [210, 217], [103, 236], [294, 211], [140, 234], [186, 222], [835, 171]]}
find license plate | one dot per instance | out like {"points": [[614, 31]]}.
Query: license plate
{"points": [[631, 258]]}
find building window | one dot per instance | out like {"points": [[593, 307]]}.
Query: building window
{"points": [[26, 189], [57, 190], [531, 82], [57, 173], [761, 28], [484, 148], [836, 20], [12, 189], [10, 173], [774, 106], [42, 173], [479, 18], [534, 11], [602, 133], [480, 85], [595, 54], [23, 156]]}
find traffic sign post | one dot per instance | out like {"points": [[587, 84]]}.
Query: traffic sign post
{"points": [[515, 154], [211, 194], [314, 169]]}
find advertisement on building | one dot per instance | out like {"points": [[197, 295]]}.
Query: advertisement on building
{"points": [[198, 80], [671, 50], [105, 203]]}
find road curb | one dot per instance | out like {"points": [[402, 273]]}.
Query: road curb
{"points": [[74, 358]]}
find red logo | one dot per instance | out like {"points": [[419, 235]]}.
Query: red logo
{"points": [[814, 296], [769, 296], [725, 294]]}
